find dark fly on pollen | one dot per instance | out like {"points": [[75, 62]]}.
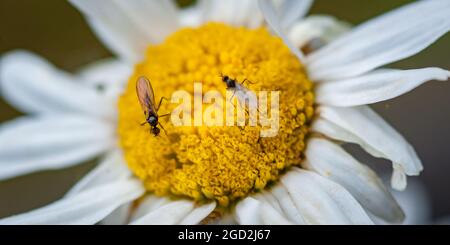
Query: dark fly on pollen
{"points": [[243, 95], [146, 98]]}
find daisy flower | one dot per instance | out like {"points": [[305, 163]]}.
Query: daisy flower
{"points": [[327, 74]]}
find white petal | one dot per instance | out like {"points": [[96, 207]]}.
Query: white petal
{"points": [[120, 216], [331, 161], [286, 203], [162, 211], [248, 212], [398, 179], [87, 207], [110, 74], [198, 214], [226, 219], [321, 201], [363, 126], [415, 202], [270, 216], [148, 204], [251, 211], [191, 16], [168, 214], [268, 197], [316, 31], [110, 169], [383, 40], [293, 10], [129, 27], [33, 85], [109, 77], [269, 13], [376, 86], [233, 12], [51, 142]]}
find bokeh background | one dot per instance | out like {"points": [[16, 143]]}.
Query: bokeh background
{"points": [[56, 31]]}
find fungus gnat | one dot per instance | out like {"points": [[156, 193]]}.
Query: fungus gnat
{"points": [[146, 98], [242, 93]]}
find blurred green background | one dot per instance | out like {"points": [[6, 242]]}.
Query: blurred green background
{"points": [[55, 30]]}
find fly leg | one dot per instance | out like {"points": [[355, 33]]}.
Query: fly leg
{"points": [[165, 132], [234, 92], [246, 80], [160, 102]]}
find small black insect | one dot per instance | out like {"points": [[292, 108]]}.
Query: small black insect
{"points": [[243, 96], [232, 83], [146, 98]]}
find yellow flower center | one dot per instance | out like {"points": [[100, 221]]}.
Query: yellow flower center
{"points": [[216, 163]]}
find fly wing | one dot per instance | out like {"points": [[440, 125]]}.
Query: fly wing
{"points": [[246, 96], [145, 95]]}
